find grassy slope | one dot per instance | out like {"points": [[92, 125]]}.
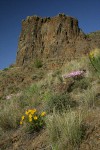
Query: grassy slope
{"points": [[76, 123]]}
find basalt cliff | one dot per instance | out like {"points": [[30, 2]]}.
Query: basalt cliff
{"points": [[55, 39]]}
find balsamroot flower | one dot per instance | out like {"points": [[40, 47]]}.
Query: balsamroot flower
{"points": [[21, 122], [30, 119], [35, 117], [34, 120], [23, 117], [43, 114]]}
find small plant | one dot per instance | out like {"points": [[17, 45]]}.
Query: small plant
{"points": [[38, 63], [94, 57], [5, 69], [34, 121]]}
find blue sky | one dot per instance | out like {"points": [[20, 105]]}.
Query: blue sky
{"points": [[13, 11]]}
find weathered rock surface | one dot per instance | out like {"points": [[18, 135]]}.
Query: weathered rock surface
{"points": [[58, 38]]}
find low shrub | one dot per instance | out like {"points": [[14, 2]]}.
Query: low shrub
{"points": [[59, 102], [81, 84], [5, 69]]}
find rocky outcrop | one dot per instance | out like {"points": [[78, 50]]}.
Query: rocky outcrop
{"points": [[58, 38]]}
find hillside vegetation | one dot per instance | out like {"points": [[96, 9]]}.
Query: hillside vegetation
{"points": [[51, 109]]}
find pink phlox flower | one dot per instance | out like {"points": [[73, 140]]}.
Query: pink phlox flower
{"points": [[73, 74]]}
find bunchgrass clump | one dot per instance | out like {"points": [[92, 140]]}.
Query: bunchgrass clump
{"points": [[88, 98], [10, 113], [65, 130]]}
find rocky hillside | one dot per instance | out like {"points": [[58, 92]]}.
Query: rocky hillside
{"points": [[47, 44]]}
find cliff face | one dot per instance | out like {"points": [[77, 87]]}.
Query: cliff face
{"points": [[50, 38]]}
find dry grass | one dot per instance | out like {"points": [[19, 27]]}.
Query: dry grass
{"points": [[76, 65], [65, 130], [10, 114]]}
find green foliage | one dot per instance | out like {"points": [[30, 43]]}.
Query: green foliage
{"points": [[5, 69], [59, 102], [38, 63], [94, 57], [34, 121]]}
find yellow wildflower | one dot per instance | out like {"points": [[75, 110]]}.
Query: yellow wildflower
{"points": [[29, 111], [35, 117], [30, 119], [26, 112], [95, 53], [43, 114], [33, 111], [23, 117], [91, 54], [30, 116], [21, 122]]}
